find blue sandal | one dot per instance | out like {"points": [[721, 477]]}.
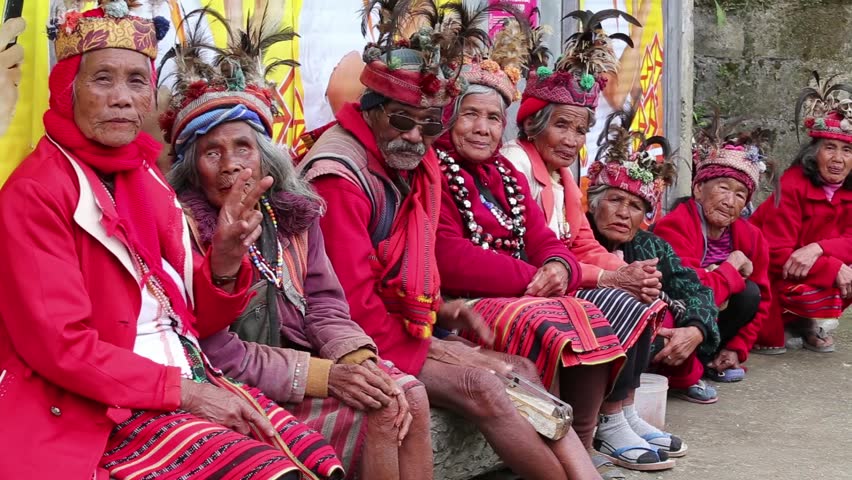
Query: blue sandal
{"points": [[650, 461], [729, 375], [677, 448], [698, 393]]}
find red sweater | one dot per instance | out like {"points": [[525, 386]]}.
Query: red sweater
{"points": [[803, 216], [683, 230], [469, 271]]}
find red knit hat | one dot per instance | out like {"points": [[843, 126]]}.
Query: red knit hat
{"points": [[578, 77], [825, 114], [635, 170]]}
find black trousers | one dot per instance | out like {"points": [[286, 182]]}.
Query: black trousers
{"points": [[742, 307], [638, 359]]}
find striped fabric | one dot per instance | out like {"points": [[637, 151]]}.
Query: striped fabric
{"points": [[813, 302], [718, 250], [178, 444], [552, 332], [628, 316], [343, 427]]}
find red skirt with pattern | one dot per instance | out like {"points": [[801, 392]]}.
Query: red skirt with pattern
{"points": [[816, 303], [552, 332]]}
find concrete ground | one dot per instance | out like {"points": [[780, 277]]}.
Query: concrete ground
{"points": [[791, 418]]}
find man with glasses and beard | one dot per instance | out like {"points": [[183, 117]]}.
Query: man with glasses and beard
{"points": [[381, 181]]}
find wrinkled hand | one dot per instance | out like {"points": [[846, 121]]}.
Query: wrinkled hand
{"points": [[550, 280], [223, 407], [463, 355], [403, 417], [10, 70], [455, 315], [739, 261], [641, 279], [238, 225], [844, 281], [801, 261], [724, 360], [360, 387], [681, 343]]}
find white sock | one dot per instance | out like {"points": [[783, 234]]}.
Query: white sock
{"points": [[643, 428], [614, 432]]}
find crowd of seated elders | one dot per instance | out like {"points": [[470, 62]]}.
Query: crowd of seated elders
{"points": [[251, 315]]}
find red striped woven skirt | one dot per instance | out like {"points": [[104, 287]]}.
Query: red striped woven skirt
{"points": [[345, 428], [552, 332], [811, 302]]}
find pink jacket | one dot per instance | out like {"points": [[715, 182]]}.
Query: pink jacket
{"points": [[593, 257]]}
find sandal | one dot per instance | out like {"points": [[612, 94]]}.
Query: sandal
{"points": [[764, 350], [606, 469], [729, 375], [677, 448], [650, 461], [815, 331], [808, 344], [698, 393]]}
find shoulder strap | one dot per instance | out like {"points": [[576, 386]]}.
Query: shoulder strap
{"points": [[381, 215]]}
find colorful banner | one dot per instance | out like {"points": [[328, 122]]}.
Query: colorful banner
{"points": [[639, 81], [328, 48]]}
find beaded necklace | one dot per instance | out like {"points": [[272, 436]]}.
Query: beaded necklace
{"points": [[152, 283], [274, 274], [514, 221]]}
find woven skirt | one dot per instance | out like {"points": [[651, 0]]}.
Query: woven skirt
{"points": [[811, 302], [177, 445], [342, 426], [628, 316], [551, 332]]}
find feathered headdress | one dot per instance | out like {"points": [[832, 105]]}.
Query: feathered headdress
{"points": [[217, 85], [496, 64], [109, 26], [577, 78], [416, 69], [826, 115], [626, 159], [724, 149]]}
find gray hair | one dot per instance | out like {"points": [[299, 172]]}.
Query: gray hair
{"points": [[807, 158], [539, 121], [476, 89], [274, 161]]}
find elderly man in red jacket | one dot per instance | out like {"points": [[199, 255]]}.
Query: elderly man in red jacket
{"points": [[101, 373], [729, 254], [381, 181]]}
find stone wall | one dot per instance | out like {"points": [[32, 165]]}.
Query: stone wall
{"points": [[757, 61]]}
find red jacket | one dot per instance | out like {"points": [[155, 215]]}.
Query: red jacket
{"points": [[683, 230], [68, 313], [469, 271], [804, 216]]}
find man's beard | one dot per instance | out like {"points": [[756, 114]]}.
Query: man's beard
{"points": [[403, 155]]}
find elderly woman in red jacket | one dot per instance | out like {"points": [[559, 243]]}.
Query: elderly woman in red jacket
{"points": [[729, 254], [101, 373], [808, 224]]}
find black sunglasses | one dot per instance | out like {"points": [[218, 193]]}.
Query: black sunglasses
{"points": [[404, 123]]}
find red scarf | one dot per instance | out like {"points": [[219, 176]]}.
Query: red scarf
{"points": [[405, 261], [145, 219]]}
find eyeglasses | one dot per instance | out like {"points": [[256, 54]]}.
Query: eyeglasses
{"points": [[404, 123]]}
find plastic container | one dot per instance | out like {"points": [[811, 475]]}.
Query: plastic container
{"points": [[651, 399]]}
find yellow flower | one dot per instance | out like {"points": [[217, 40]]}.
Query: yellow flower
{"points": [[490, 66], [514, 73]]}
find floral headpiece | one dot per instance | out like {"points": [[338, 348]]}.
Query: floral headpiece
{"points": [[421, 70], [826, 115], [109, 26], [625, 160], [219, 85], [497, 64], [720, 150], [577, 78]]}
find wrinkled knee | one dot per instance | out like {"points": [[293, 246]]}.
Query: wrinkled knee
{"points": [[484, 395], [418, 405]]}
